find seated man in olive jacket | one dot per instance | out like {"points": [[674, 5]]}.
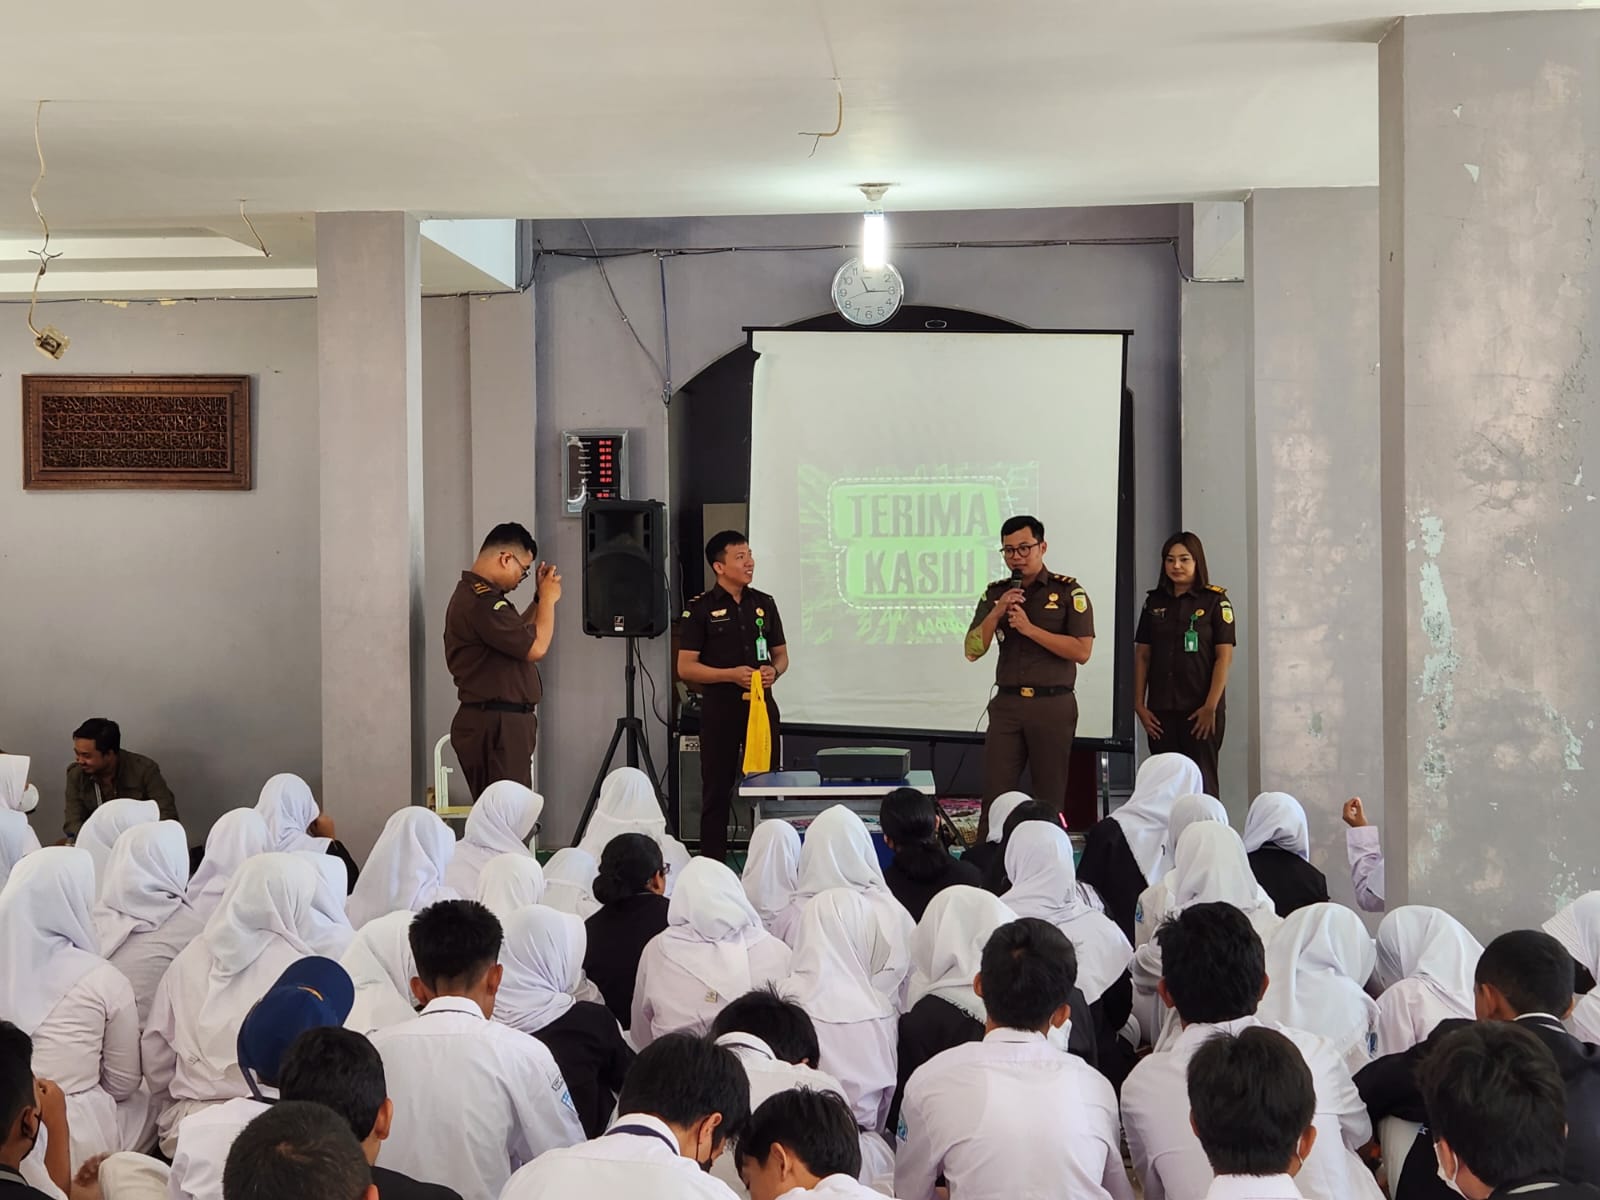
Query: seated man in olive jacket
{"points": [[105, 771]]}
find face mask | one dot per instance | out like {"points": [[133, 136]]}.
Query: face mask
{"points": [[30, 798], [1059, 1036], [1450, 1180]]}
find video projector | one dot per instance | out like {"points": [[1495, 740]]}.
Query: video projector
{"points": [[863, 764]]}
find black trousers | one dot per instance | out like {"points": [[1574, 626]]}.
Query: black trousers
{"points": [[1176, 739], [724, 718]]}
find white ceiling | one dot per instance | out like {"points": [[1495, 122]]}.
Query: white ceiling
{"points": [[166, 113]]}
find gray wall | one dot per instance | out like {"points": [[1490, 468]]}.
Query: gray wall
{"points": [[591, 374]]}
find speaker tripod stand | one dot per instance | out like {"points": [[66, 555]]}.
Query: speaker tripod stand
{"points": [[632, 727]]}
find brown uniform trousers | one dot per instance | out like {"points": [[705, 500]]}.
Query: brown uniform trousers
{"points": [[491, 746], [1036, 731]]}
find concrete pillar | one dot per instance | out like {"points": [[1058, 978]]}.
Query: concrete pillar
{"points": [[504, 422], [1491, 291], [369, 374], [1311, 482]]}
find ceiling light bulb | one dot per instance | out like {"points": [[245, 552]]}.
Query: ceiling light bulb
{"points": [[874, 240]]}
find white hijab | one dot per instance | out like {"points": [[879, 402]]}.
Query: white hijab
{"points": [[16, 840], [406, 868], [510, 882], [501, 822], [838, 853], [330, 931], [947, 948], [1188, 810], [1318, 964], [839, 950], [1577, 927], [109, 822], [16, 793], [1160, 781], [772, 868], [1000, 812], [1044, 884], [543, 959], [288, 807], [1418, 942], [628, 804], [381, 965], [711, 926], [47, 939], [236, 836], [1277, 819], [569, 882], [145, 882], [1210, 866]]}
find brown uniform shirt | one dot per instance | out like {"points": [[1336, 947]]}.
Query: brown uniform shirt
{"points": [[1056, 604], [137, 778], [486, 644], [725, 633], [1178, 679]]}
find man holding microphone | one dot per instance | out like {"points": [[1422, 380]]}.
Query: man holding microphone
{"points": [[1045, 624]]}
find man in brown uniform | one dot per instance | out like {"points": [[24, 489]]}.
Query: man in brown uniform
{"points": [[491, 649], [1046, 629], [103, 771]]}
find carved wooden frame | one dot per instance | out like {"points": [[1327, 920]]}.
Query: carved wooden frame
{"points": [[225, 396]]}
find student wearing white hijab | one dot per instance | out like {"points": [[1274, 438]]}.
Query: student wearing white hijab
{"points": [[713, 950], [1122, 854], [1044, 884], [380, 964], [986, 852], [1318, 964], [569, 882], [79, 1010], [628, 804], [18, 797], [501, 822], [543, 959], [236, 836], [109, 822], [1156, 900], [838, 853], [772, 869], [406, 867], [290, 811], [143, 917], [17, 840], [510, 882], [1278, 840], [330, 933], [1577, 927], [260, 927], [839, 953], [1425, 962]]}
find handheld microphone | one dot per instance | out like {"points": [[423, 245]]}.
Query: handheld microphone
{"points": [[1016, 576]]}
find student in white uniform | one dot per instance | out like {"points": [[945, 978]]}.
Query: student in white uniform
{"points": [[801, 1142], [1252, 1100], [300, 1150], [190, 1048], [477, 1098], [838, 954], [1425, 963], [775, 1041], [294, 822], [236, 836], [1215, 974], [684, 1099], [569, 882], [406, 867], [510, 882], [1012, 1115], [78, 1009], [330, 933], [772, 870], [838, 853], [109, 822], [35, 1144], [143, 917], [17, 840], [1319, 962], [1576, 927], [713, 949], [628, 804], [1366, 856], [312, 993], [1156, 900], [1122, 853], [502, 821], [381, 967], [17, 799]]}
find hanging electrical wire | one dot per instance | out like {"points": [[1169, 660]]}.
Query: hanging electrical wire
{"points": [[50, 341], [837, 125], [265, 253]]}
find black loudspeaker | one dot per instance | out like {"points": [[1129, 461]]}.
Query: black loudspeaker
{"points": [[624, 568]]}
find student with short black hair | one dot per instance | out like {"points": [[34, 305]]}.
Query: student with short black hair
{"points": [[802, 1141], [300, 1150], [683, 1100], [1251, 1103], [476, 1098], [30, 1108], [1526, 977], [922, 867], [1214, 974], [1012, 1115], [631, 887], [341, 1069]]}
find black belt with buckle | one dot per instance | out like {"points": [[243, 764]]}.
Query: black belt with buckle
{"points": [[1033, 693], [503, 706]]}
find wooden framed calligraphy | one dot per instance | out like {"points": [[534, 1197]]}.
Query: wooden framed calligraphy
{"points": [[147, 432]]}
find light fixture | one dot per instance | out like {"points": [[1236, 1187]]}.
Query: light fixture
{"points": [[874, 228]]}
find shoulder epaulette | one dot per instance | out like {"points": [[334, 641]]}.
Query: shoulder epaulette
{"points": [[482, 589], [1006, 582], [1062, 578], [1218, 588]]}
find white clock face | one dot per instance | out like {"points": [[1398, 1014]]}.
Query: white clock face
{"points": [[867, 297]]}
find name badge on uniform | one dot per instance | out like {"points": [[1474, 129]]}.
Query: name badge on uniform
{"points": [[1191, 638], [1054, 597], [719, 614], [761, 643]]}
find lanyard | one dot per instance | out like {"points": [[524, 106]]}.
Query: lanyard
{"points": [[643, 1131]]}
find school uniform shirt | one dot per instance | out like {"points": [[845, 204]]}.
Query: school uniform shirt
{"points": [[475, 1099], [501, 821], [618, 934], [713, 950], [1254, 1187], [1010, 1116], [130, 1176], [772, 869], [1167, 1155], [1546, 1187], [17, 840], [1122, 854], [834, 1187], [236, 836], [1318, 965], [204, 1139], [1425, 966], [381, 966], [143, 917], [1366, 866], [636, 1158], [628, 804]]}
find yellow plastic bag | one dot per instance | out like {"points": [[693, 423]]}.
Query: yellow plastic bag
{"points": [[758, 730]]}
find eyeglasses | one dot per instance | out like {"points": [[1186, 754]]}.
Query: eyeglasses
{"points": [[1021, 551], [526, 566]]}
